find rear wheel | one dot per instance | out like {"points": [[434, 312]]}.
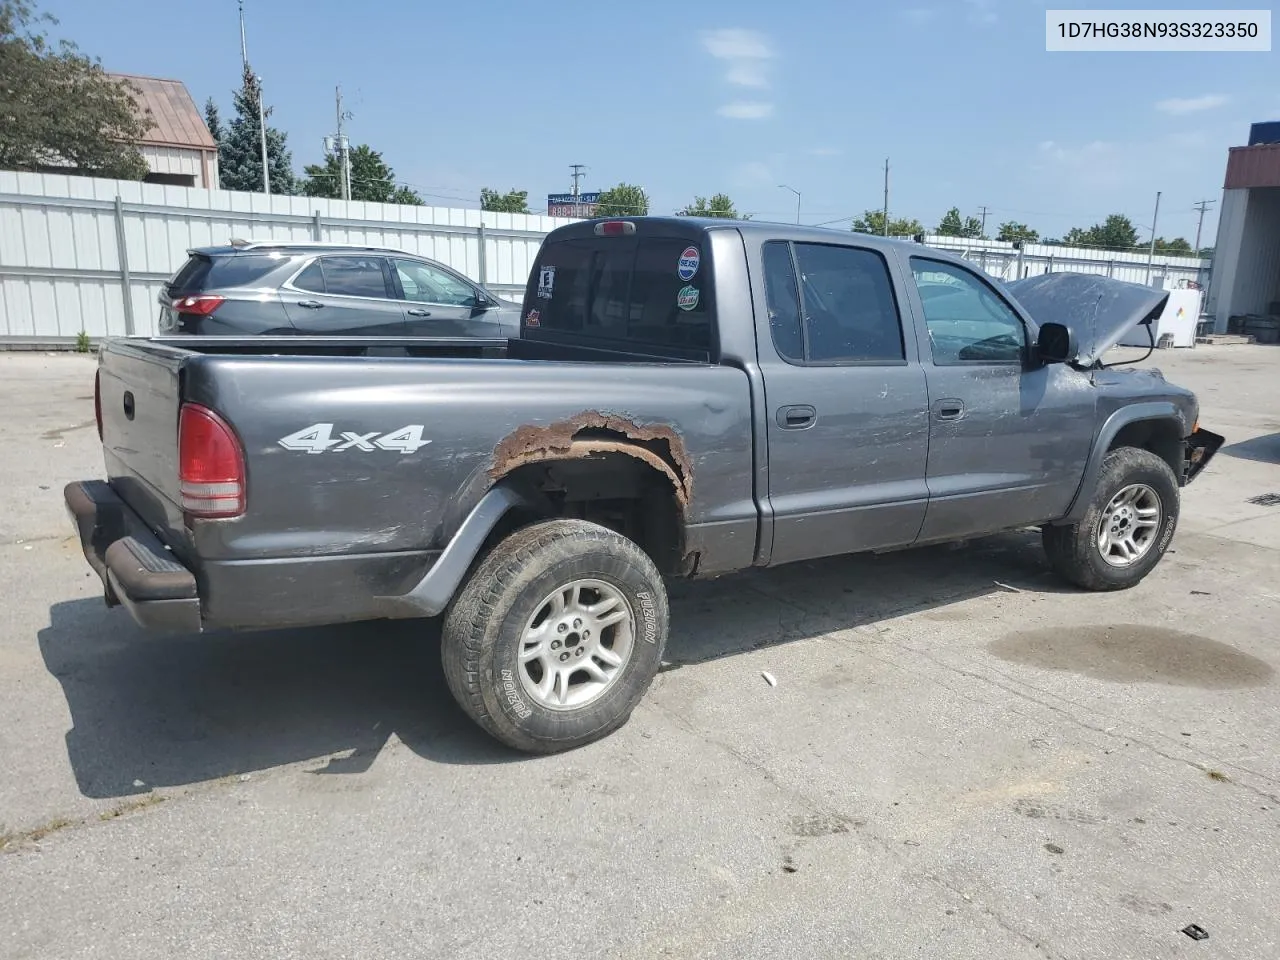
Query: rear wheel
{"points": [[556, 636], [1127, 527]]}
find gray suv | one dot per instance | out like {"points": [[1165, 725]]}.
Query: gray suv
{"points": [[273, 288]]}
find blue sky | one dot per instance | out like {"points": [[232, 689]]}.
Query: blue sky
{"points": [[697, 98]]}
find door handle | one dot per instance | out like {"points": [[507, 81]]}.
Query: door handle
{"points": [[418, 313], [310, 304], [949, 409], [797, 416]]}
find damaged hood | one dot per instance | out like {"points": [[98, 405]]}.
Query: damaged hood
{"points": [[1097, 309]]}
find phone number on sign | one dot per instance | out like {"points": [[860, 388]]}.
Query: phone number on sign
{"points": [[1156, 30]]}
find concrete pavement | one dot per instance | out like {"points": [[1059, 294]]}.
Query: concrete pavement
{"points": [[962, 757]]}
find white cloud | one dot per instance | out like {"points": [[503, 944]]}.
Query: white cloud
{"points": [[734, 43], [1181, 105], [747, 56], [746, 110]]}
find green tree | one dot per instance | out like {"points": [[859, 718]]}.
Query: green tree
{"points": [[872, 221], [1117, 232], [1012, 231], [718, 206], [952, 225], [1173, 248], [58, 108], [240, 150], [513, 201], [371, 179], [213, 121], [624, 200]]}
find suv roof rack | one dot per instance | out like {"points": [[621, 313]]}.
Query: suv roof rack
{"points": [[243, 244]]}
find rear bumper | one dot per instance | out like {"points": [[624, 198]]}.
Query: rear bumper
{"points": [[135, 568]]}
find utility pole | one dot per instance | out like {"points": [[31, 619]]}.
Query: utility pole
{"points": [[257, 89], [1151, 255], [344, 152], [577, 169], [1202, 206], [262, 129], [983, 231], [885, 230]]}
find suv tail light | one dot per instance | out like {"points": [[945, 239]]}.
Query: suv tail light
{"points": [[199, 304], [97, 400], [210, 464]]}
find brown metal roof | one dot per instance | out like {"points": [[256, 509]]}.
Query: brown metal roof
{"points": [[175, 120], [1256, 166]]}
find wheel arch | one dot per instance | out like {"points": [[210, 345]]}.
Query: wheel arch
{"points": [[1155, 426]]}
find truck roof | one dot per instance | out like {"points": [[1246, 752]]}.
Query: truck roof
{"points": [[693, 226]]}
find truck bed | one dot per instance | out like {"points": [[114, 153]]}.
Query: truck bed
{"points": [[360, 467]]}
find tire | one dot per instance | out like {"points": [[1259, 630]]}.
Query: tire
{"points": [[1075, 550], [508, 602]]}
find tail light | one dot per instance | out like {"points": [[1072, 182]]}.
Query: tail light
{"points": [[198, 304], [210, 464], [97, 400]]}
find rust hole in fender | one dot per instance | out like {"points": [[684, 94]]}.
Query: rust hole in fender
{"points": [[592, 433]]}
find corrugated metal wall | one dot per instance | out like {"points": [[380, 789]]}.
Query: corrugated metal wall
{"points": [[1246, 278], [61, 238], [172, 160], [1002, 261], [1257, 280]]}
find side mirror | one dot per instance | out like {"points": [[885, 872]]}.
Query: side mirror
{"points": [[1056, 344]]}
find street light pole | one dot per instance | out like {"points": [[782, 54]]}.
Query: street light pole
{"points": [[783, 186], [1151, 254]]}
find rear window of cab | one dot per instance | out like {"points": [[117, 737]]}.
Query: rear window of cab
{"points": [[649, 291]]}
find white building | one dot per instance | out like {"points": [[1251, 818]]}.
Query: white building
{"points": [[178, 148]]}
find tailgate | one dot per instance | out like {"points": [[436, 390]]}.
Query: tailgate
{"points": [[139, 386]]}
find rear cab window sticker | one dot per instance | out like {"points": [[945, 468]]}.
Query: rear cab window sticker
{"points": [[546, 282], [687, 298], [690, 259]]}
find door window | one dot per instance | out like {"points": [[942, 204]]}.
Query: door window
{"points": [[354, 277], [783, 298], [423, 283], [967, 320], [849, 309], [311, 279]]}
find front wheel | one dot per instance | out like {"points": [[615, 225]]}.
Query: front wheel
{"points": [[1125, 530], [556, 636]]}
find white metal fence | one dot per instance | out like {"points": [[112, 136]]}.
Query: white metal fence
{"points": [[84, 254], [1005, 262]]}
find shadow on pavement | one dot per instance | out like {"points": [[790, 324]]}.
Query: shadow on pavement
{"points": [[153, 711], [1265, 449]]}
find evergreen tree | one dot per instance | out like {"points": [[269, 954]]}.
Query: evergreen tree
{"points": [[371, 178], [240, 150]]}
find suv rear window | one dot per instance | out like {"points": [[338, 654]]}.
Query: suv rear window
{"points": [[651, 291], [209, 273]]}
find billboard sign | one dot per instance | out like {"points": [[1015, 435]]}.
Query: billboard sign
{"points": [[562, 205]]}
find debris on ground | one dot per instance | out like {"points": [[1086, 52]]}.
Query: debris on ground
{"points": [[1005, 586], [1195, 931], [769, 678]]}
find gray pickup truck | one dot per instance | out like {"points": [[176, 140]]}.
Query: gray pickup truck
{"points": [[688, 398]]}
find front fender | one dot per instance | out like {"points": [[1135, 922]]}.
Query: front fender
{"points": [[1111, 427]]}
